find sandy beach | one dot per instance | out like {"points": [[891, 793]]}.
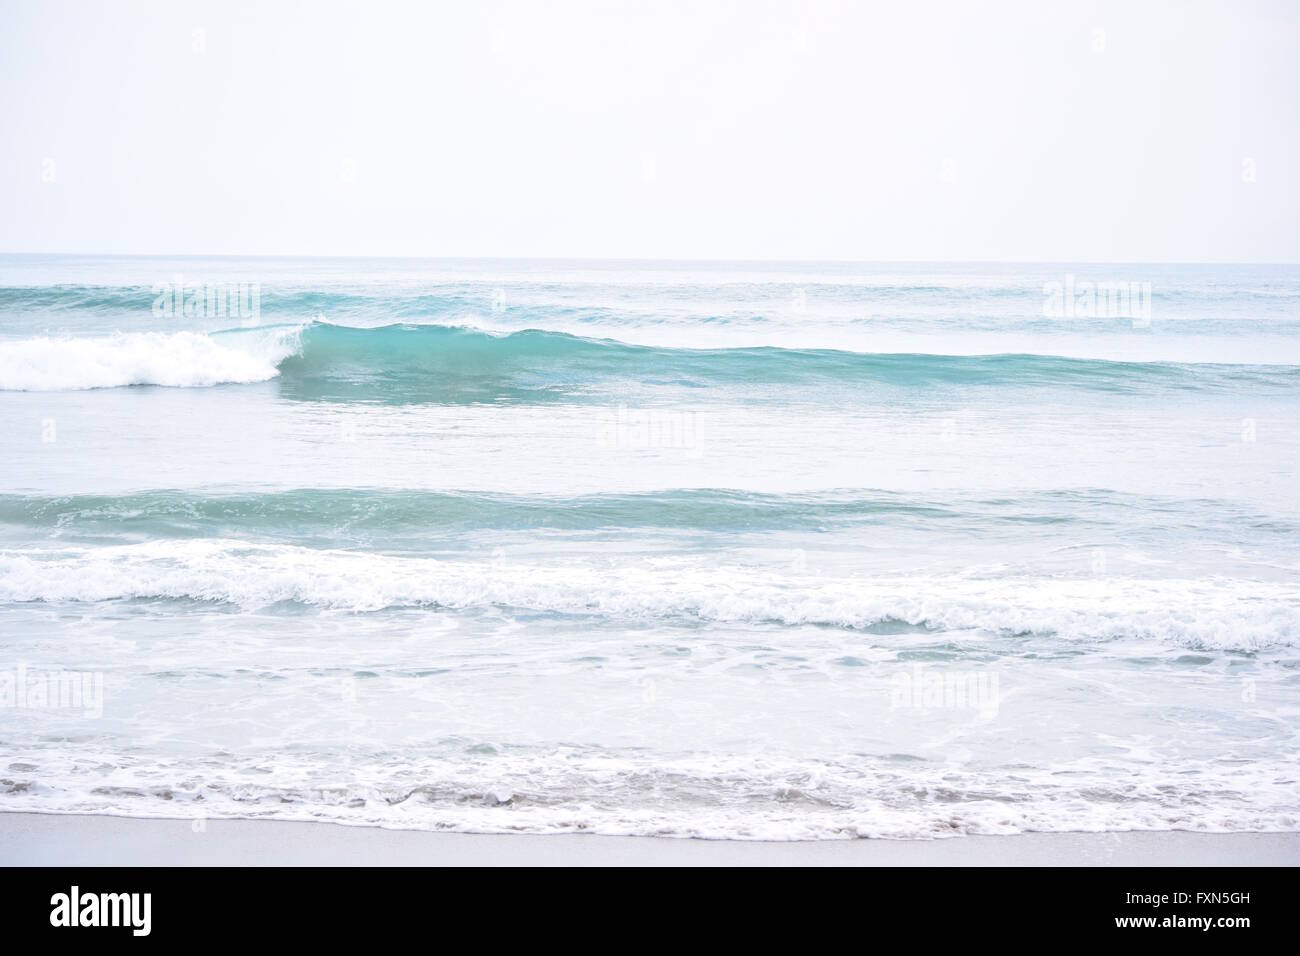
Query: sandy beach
{"points": [[29, 839]]}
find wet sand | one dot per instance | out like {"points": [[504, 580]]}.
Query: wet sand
{"points": [[34, 839]]}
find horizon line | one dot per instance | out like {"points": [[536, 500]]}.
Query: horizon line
{"points": [[653, 259]]}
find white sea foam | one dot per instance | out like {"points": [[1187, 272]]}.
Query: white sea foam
{"points": [[1206, 613], [178, 359], [710, 796]]}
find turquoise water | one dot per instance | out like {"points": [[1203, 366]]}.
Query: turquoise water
{"points": [[724, 549]]}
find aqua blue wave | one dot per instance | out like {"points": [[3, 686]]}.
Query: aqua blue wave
{"points": [[429, 363], [392, 518]]}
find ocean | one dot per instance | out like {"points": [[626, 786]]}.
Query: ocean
{"points": [[725, 550]]}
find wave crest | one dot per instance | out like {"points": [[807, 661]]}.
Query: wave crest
{"points": [[177, 359]]}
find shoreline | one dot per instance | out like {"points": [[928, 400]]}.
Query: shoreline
{"points": [[56, 839]]}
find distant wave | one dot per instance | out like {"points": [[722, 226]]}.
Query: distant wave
{"points": [[390, 518], [421, 295], [118, 300], [1221, 614], [454, 365]]}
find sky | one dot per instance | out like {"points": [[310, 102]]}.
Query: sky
{"points": [[1017, 131]]}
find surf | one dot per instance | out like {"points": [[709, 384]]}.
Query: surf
{"points": [[404, 363], [1219, 614], [172, 359]]}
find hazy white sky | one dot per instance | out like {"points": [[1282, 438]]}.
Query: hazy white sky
{"points": [[903, 130]]}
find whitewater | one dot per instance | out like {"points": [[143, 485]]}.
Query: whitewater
{"points": [[725, 550]]}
